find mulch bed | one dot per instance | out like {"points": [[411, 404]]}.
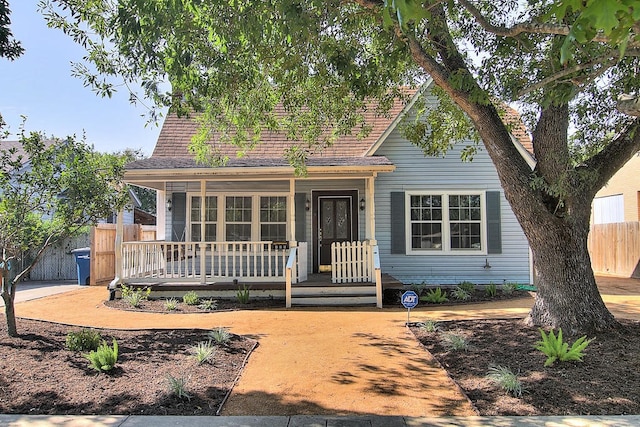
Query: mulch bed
{"points": [[39, 376], [607, 382], [158, 305]]}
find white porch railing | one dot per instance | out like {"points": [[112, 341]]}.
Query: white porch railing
{"points": [[203, 261], [352, 262]]}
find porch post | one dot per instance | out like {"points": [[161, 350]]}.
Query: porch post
{"points": [[370, 210], [203, 243], [118, 253], [291, 203]]}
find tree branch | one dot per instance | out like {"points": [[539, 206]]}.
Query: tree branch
{"points": [[521, 28], [615, 154]]}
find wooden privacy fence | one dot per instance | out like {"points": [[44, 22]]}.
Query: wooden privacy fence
{"points": [[103, 248], [615, 249]]}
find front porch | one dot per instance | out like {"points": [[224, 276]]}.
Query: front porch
{"points": [[269, 269]]}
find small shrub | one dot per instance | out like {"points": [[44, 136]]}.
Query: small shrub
{"points": [[429, 325], [504, 378], [243, 295], [83, 340], [555, 349], [436, 296], [220, 335], [491, 290], [191, 298], [208, 304], [467, 286], [171, 304], [455, 342], [178, 387], [135, 296], [460, 294], [104, 358], [203, 351], [509, 288], [418, 288]]}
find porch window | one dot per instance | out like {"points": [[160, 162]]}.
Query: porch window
{"points": [[210, 218], [238, 218], [273, 218], [446, 223]]}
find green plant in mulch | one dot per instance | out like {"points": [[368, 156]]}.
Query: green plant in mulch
{"points": [[460, 294], [509, 288], [220, 335], [83, 340], [436, 296], [556, 349], [178, 387], [135, 296], [104, 358], [191, 298], [491, 290], [454, 342], [418, 288], [208, 304], [243, 295], [429, 325], [467, 286], [504, 378], [203, 351], [171, 304]]}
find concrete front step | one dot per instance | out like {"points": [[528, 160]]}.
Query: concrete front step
{"points": [[334, 300]]}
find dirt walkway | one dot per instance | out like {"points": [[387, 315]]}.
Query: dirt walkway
{"points": [[322, 361]]}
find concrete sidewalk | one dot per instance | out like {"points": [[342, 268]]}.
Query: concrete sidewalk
{"points": [[315, 421]]}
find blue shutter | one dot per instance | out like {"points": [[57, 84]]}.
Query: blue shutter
{"points": [[178, 217], [398, 237], [301, 216], [494, 226]]}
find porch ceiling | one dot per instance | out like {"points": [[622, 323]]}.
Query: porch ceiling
{"points": [[155, 171]]}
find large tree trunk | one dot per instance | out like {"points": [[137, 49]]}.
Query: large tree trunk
{"points": [[567, 295]]}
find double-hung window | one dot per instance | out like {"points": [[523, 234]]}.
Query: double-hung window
{"points": [[238, 218], [273, 218], [210, 218], [446, 223]]}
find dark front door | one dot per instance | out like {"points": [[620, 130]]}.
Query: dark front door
{"points": [[336, 222]]}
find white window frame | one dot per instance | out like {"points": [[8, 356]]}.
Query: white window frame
{"points": [[446, 238], [190, 222], [221, 230]]}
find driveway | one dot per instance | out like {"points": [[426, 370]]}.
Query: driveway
{"points": [[26, 291]]}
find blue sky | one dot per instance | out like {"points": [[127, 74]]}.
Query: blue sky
{"points": [[39, 85]]}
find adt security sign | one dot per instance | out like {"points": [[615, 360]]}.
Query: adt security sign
{"points": [[409, 299]]}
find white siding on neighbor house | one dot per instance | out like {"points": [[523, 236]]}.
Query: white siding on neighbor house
{"points": [[608, 209], [415, 172]]}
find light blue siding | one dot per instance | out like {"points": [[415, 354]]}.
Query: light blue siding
{"points": [[415, 172]]}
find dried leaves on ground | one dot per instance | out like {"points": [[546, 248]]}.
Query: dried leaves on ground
{"points": [[39, 376], [605, 383]]}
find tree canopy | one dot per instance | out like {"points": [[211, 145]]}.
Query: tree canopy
{"points": [[564, 64], [49, 190], [9, 47]]}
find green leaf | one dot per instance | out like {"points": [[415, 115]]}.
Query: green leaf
{"points": [[603, 14]]}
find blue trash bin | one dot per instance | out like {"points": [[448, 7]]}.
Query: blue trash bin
{"points": [[83, 263]]}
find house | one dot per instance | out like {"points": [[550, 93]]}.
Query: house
{"points": [[619, 199], [368, 211]]}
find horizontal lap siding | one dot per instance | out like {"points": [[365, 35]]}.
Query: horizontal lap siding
{"points": [[415, 172]]}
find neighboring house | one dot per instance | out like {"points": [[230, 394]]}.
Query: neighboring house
{"points": [[619, 199], [367, 206]]}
